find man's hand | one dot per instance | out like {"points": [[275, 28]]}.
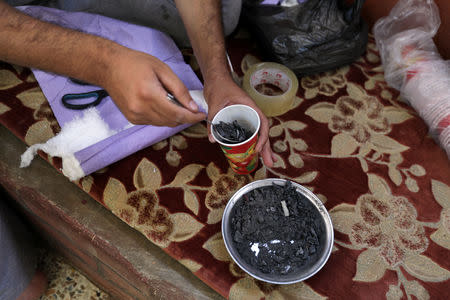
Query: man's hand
{"points": [[139, 84], [225, 92], [204, 27]]}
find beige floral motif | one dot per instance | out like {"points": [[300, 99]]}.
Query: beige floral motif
{"points": [[394, 293], [39, 132], [390, 226], [4, 108], [386, 228], [44, 112], [361, 124], [141, 208], [441, 193], [173, 157], [182, 179], [288, 143], [31, 78], [370, 66], [8, 80], [375, 78], [397, 174], [372, 54], [374, 72], [327, 83], [86, 183], [101, 171], [191, 265], [179, 142], [284, 135], [249, 288], [297, 102], [215, 245], [223, 187], [33, 98], [47, 125], [18, 68], [198, 131], [359, 119]]}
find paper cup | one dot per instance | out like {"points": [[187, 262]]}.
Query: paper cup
{"points": [[241, 156]]}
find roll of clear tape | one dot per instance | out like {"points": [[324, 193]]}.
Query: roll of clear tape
{"points": [[272, 86]]}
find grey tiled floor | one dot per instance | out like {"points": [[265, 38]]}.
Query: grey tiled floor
{"points": [[65, 282]]}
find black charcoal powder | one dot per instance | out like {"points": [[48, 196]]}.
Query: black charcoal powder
{"points": [[232, 131], [269, 240]]}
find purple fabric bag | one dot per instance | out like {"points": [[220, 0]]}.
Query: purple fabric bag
{"points": [[122, 138]]}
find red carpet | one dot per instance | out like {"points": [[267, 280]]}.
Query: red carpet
{"points": [[349, 139]]}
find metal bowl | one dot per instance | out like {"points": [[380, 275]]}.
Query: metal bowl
{"points": [[307, 270]]}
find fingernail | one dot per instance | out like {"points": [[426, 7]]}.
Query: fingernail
{"points": [[193, 105]]}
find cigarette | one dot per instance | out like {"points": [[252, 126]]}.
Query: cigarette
{"points": [[285, 209]]}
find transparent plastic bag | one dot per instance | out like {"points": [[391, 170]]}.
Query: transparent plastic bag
{"points": [[412, 63]]}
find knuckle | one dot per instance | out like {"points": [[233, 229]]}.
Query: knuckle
{"points": [[134, 109], [144, 92], [192, 120], [161, 68], [169, 123], [133, 119], [180, 118], [180, 90], [134, 114], [164, 67]]}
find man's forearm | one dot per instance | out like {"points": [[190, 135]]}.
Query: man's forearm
{"points": [[203, 23], [30, 42], [202, 19]]}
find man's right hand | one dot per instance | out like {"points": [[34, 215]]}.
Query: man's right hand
{"points": [[138, 83]]}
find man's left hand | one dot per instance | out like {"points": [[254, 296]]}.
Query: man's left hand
{"points": [[225, 92]]}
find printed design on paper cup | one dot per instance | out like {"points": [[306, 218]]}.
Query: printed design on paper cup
{"points": [[242, 159], [242, 156]]}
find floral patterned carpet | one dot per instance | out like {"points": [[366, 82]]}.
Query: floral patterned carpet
{"points": [[348, 138]]}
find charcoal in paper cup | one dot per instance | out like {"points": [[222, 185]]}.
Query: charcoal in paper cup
{"points": [[242, 156]]}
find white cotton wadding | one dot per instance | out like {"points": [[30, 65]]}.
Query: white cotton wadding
{"points": [[75, 135]]}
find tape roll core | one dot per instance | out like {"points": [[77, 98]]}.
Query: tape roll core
{"points": [[277, 76]]}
